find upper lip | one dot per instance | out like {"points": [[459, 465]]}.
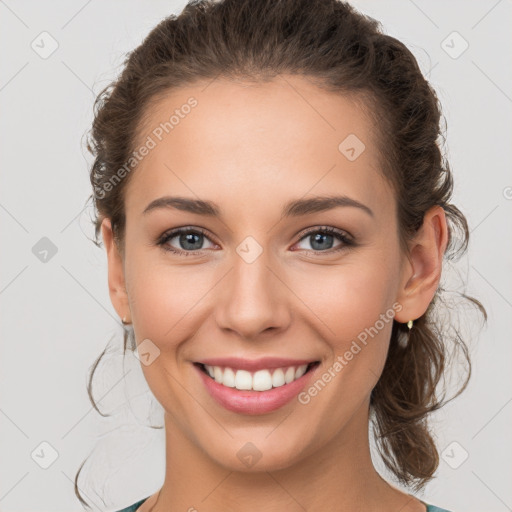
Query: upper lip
{"points": [[252, 365]]}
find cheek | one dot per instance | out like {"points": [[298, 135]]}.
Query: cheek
{"points": [[356, 302], [165, 304], [349, 298], [163, 300]]}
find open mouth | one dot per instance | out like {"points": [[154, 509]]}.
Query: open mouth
{"points": [[260, 380]]}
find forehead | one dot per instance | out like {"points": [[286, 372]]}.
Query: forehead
{"points": [[227, 140]]}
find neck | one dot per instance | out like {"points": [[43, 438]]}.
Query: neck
{"points": [[338, 475]]}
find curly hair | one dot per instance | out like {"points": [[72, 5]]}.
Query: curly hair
{"points": [[340, 50]]}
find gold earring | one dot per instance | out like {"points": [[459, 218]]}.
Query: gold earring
{"points": [[409, 324], [125, 322]]}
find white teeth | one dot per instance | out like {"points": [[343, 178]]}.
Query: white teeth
{"points": [[218, 374], [278, 378], [289, 376], [243, 380], [229, 378], [300, 371], [261, 380]]}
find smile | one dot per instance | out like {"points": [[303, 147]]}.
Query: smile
{"points": [[260, 387], [261, 380]]}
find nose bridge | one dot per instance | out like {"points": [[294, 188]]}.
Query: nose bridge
{"points": [[252, 299]]}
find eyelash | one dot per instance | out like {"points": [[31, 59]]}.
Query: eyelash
{"points": [[340, 235]]}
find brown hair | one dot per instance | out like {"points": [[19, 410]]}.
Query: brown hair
{"points": [[339, 49]]}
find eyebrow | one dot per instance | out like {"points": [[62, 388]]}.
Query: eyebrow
{"points": [[295, 208]]}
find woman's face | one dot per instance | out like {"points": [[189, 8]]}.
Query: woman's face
{"points": [[260, 279]]}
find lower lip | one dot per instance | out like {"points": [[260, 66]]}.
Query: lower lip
{"points": [[254, 402]]}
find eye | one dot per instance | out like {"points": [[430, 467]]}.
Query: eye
{"points": [[190, 239], [322, 239]]}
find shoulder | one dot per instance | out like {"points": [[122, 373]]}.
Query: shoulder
{"points": [[135, 506], [433, 508]]}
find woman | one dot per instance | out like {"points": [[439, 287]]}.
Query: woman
{"points": [[276, 211]]}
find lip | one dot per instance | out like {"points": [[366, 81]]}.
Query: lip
{"points": [[254, 402], [253, 365]]}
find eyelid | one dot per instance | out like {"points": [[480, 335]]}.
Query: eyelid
{"points": [[325, 228], [168, 235]]}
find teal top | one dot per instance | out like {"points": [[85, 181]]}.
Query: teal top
{"points": [[135, 506]]}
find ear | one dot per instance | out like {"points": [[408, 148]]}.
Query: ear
{"points": [[422, 272], [116, 280]]}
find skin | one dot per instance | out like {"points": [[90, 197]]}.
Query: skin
{"points": [[250, 149]]}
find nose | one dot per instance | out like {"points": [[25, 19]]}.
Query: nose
{"points": [[254, 300]]}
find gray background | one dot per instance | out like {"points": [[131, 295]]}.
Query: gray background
{"points": [[56, 315]]}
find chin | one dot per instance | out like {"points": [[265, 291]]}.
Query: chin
{"points": [[260, 452]]}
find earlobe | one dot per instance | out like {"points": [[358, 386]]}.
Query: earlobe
{"points": [[116, 278], [424, 266]]}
